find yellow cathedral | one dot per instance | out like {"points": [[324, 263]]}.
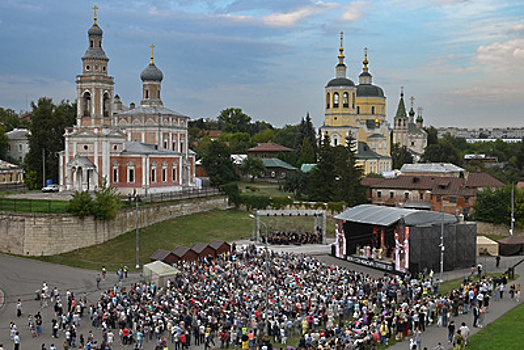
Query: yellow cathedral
{"points": [[359, 111]]}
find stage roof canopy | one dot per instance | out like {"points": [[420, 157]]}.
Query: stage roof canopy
{"points": [[387, 216]]}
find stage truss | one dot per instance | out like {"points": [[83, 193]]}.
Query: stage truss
{"points": [[319, 217]]}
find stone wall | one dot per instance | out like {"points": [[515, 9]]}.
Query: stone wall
{"points": [[48, 234], [486, 228]]}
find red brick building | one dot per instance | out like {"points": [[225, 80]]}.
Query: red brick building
{"points": [[143, 149]]}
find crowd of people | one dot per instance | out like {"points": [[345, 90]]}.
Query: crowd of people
{"points": [[294, 237], [253, 298]]}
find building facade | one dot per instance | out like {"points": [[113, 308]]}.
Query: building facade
{"points": [[407, 132], [17, 144], [358, 111], [139, 150]]}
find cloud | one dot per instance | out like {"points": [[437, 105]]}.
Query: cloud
{"points": [[284, 19], [518, 27], [354, 11], [502, 55]]}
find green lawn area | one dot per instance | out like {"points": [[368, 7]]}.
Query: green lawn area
{"points": [[33, 205], [505, 333], [186, 230]]}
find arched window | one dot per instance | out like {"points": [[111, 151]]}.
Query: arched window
{"points": [[372, 109], [153, 172], [158, 94], [164, 172], [353, 101], [335, 100], [175, 172], [328, 97], [91, 43], [147, 93], [358, 109], [130, 172], [87, 104], [106, 105], [115, 173], [345, 100]]}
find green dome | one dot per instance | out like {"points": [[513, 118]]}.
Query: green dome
{"points": [[368, 90]]}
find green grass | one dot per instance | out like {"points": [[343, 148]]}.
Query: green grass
{"points": [[185, 231], [493, 237], [33, 205], [505, 333]]}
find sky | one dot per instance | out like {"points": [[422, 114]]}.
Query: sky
{"points": [[462, 60]]}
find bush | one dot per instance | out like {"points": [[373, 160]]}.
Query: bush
{"points": [[81, 204], [232, 193], [255, 202], [281, 202], [336, 207], [107, 203], [253, 188]]}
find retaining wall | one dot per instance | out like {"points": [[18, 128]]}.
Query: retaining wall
{"points": [[33, 234]]}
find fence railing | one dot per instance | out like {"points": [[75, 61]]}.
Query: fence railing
{"points": [[174, 196], [56, 206], [13, 187]]}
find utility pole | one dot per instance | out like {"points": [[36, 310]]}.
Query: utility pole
{"points": [[512, 209], [442, 243], [43, 167], [136, 229]]}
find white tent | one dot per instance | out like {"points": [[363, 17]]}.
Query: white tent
{"points": [[484, 244], [158, 272]]}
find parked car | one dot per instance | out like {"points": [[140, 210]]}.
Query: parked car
{"points": [[50, 188]]}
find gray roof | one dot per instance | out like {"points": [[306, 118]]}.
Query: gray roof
{"points": [[136, 147], [430, 168], [412, 129], [151, 73], [387, 216], [340, 82], [417, 205], [365, 152], [18, 134], [151, 111], [369, 90], [95, 53], [95, 30]]}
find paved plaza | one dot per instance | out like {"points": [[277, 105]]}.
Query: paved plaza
{"points": [[20, 278]]}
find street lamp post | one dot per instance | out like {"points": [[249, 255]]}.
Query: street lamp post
{"points": [[137, 198], [267, 270]]}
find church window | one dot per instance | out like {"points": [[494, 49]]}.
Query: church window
{"points": [[327, 100], [87, 68], [131, 172], [358, 109], [115, 173], [153, 172], [106, 105], [353, 101], [104, 68], [181, 146], [175, 171], [335, 100], [91, 43], [85, 147], [115, 147], [165, 143], [87, 104], [345, 100], [164, 174], [335, 141], [412, 143], [147, 93], [373, 110], [158, 94]]}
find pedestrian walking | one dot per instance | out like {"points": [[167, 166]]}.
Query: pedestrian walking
{"points": [[18, 308]]}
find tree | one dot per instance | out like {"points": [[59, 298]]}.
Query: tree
{"points": [[286, 136], [322, 181], [239, 142], [349, 188], [307, 154], [218, 164], [253, 167], [107, 203], [46, 138], [233, 120], [432, 135], [443, 151], [263, 136], [400, 156], [493, 205], [9, 119], [297, 182], [80, 204], [306, 131]]}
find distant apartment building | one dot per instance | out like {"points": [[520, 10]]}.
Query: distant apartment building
{"points": [[17, 145], [482, 133]]}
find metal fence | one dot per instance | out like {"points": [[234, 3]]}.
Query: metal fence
{"points": [[13, 187], [174, 196], [32, 205]]}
